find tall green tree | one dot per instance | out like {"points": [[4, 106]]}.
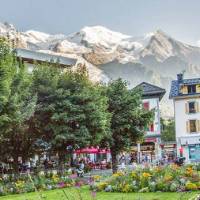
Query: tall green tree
{"points": [[168, 130], [6, 71], [45, 83], [71, 110], [17, 109], [81, 117], [128, 118]]}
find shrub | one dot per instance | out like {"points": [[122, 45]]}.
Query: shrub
{"points": [[170, 178], [191, 186], [21, 184]]}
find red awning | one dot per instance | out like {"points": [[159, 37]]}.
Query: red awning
{"points": [[91, 150], [150, 140], [102, 151]]}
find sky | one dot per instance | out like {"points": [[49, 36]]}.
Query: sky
{"points": [[178, 18]]}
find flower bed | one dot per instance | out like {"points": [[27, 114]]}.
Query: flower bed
{"points": [[26, 183], [167, 179]]}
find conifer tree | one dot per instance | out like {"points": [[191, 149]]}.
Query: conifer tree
{"points": [[128, 118], [17, 107]]}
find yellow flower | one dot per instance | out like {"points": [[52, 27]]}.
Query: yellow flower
{"points": [[175, 167], [102, 185], [118, 174], [158, 169], [96, 177], [68, 185], [133, 174], [191, 186], [55, 178], [146, 175], [168, 178], [189, 171], [20, 184], [126, 188]]}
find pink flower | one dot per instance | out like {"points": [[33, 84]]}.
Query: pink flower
{"points": [[73, 176], [93, 194], [61, 185], [78, 184]]}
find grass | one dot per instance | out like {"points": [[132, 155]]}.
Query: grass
{"points": [[85, 194]]}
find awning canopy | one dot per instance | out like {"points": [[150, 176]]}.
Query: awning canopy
{"points": [[91, 150]]}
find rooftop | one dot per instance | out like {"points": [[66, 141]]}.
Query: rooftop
{"points": [[176, 84], [150, 90], [31, 56]]}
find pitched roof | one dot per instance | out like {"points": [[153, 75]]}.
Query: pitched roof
{"points": [[30, 55], [175, 87], [150, 90]]}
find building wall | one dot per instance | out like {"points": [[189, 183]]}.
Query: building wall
{"points": [[154, 104], [181, 117], [183, 137]]}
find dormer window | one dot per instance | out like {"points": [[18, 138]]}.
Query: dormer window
{"points": [[191, 89]]}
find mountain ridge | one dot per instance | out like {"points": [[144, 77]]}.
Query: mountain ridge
{"points": [[155, 57]]}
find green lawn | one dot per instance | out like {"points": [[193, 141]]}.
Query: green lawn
{"points": [[74, 194]]}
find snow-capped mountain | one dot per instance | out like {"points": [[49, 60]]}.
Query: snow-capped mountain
{"points": [[155, 57]]}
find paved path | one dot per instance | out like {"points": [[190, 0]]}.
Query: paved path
{"points": [[100, 172]]}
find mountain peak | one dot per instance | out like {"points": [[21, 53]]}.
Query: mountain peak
{"points": [[101, 35], [161, 45], [103, 30], [160, 31]]}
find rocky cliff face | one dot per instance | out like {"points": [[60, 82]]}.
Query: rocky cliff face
{"points": [[155, 57]]}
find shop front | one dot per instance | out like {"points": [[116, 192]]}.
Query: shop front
{"points": [[95, 158], [169, 151], [194, 152], [189, 147], [148, 151]]}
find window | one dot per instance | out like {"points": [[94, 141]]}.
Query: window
{"points": [[191, 89], [192, 107], [146, 105], [152, 127], [192, 126]]}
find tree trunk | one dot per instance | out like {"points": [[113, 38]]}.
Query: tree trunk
{"points": [[61, 162], [71, 158], [15, 165], [114, 160], [23, 159]]}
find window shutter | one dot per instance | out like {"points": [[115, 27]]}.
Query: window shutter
{"points": [[146, 105], [198, 125], [152, 127], [184, 89], [197, 107], [188, 126], [198, 88], [186, 108]]}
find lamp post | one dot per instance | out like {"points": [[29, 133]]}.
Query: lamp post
{"points": [[138, 152]]}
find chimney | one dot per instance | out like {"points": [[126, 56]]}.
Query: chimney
{"points": [[180, 77]]}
